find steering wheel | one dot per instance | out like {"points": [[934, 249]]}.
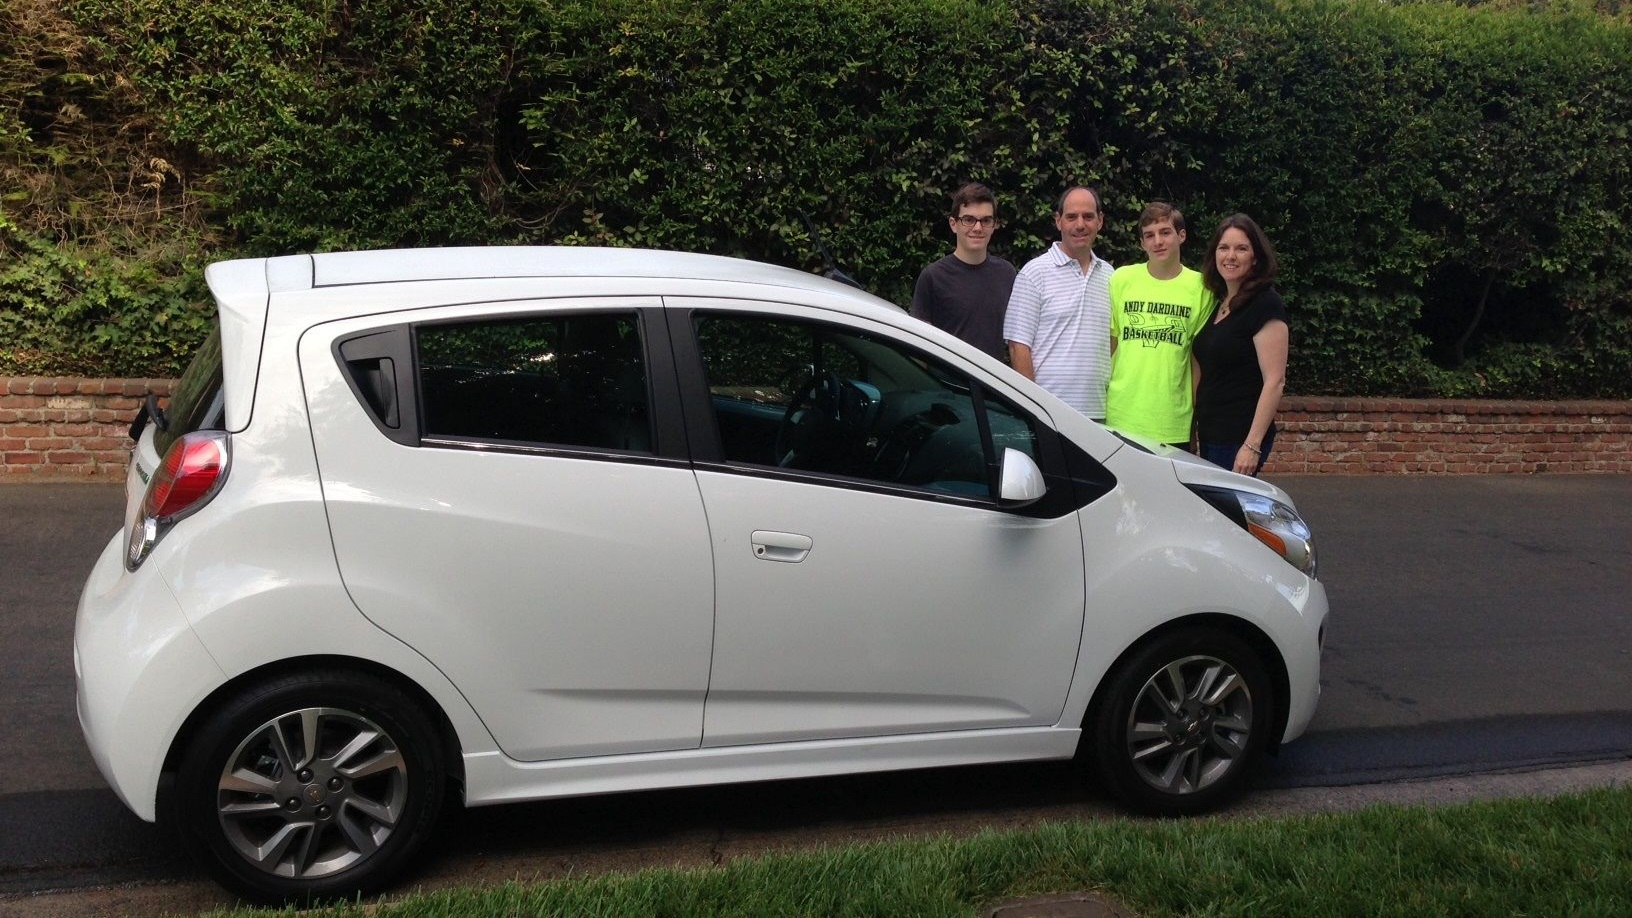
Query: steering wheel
{"points": [[902, 445], [814, 409]]}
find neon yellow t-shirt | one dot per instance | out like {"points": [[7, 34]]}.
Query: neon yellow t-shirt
{"points": [[1153, 323]]}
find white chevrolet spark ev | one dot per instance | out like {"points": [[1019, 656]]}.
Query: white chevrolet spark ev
{"points": [[490, 525]]}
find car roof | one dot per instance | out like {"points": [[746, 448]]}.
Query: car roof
{"points": [[339, 269]]}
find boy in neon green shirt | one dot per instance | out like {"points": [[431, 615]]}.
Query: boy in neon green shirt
{"points": [[1156, 310]]}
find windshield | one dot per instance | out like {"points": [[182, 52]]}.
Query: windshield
{"points": [[196, 402]]}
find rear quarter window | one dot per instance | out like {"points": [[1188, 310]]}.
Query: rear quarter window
{"points": [[196, 403], [577, 381]]}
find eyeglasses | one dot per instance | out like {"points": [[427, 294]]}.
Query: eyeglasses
{"points": [[970, 222]]}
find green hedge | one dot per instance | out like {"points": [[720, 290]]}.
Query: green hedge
{"points": [[1448, 184]]}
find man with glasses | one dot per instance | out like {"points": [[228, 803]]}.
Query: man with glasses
{"points": [[965, 293], [1058, 323]]}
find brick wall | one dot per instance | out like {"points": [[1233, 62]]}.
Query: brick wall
{"points": [[69, 428], [75, 428], [1443, 436]]}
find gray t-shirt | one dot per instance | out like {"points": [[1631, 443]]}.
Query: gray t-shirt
{"points": [[966, 300]]}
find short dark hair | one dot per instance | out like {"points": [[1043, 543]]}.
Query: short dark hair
{"points": [[1264, 263], [971, 193], [1059, 205], [1159, 211]]}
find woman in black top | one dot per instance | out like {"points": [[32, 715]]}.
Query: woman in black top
{"points": [[1239, 357]]}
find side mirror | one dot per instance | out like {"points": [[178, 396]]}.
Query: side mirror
{"points": [[1021, 481]]}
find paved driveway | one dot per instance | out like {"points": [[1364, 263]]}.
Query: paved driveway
{"points": [[1480, 625]]}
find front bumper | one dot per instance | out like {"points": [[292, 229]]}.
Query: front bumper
{"points": [[1303, 663]]}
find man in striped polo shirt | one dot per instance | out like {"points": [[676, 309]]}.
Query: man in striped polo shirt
{"points": [[1058, 323]]}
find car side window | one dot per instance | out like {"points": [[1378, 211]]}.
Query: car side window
{"points": [[570, 380], [811, 397]]}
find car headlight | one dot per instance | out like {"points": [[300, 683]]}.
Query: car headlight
{"points": [[1269, 521]]}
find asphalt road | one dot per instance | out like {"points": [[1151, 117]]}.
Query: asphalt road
{"points": [[1482, 635]]}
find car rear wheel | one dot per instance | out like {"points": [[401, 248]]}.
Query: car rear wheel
{"points": [[1182, 722], [310, 787]]}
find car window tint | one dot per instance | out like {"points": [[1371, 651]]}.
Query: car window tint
{"points": [[1011, 428], [576, 380], [812, 397], [195, 403]]}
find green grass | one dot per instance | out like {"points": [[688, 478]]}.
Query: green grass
{"points": [[1569, 855]]}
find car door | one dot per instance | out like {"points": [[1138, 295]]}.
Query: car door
{"points": [[867, 580], [507, 494]]}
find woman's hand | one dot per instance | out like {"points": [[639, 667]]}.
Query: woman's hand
{"points": [[1246, 460]]}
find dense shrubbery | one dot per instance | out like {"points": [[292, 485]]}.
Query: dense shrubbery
{"points": [[102, 237], [1448, 184]]}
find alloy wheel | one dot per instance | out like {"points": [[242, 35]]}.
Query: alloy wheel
{"points": [[1190, 724], [311, 793]]}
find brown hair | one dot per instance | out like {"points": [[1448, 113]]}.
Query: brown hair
{"points": [[1159, 211], [1264, 263], [971, 193]]}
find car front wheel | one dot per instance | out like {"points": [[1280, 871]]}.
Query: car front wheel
{"points": [[1183, 722], [311, 787]]}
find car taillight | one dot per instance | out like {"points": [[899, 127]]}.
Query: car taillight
{"points": [[192, 472]]}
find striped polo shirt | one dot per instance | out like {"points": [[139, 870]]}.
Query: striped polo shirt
{"points": [[1064, 315]]}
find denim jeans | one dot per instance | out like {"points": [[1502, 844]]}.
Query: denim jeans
{"points": [[1223, 454]]}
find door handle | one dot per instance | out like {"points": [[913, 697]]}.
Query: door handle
{"points": [[780, 546]]}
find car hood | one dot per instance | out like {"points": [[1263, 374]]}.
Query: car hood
{"points": [[1191, 469]]}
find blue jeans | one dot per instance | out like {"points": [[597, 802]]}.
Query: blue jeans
{"points": [[1223, 454]]}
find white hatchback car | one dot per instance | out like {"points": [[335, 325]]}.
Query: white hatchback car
{"points": [[515, 523]]}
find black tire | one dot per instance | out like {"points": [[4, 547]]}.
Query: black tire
{"points": [[1182, 722], [277, 822]]}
